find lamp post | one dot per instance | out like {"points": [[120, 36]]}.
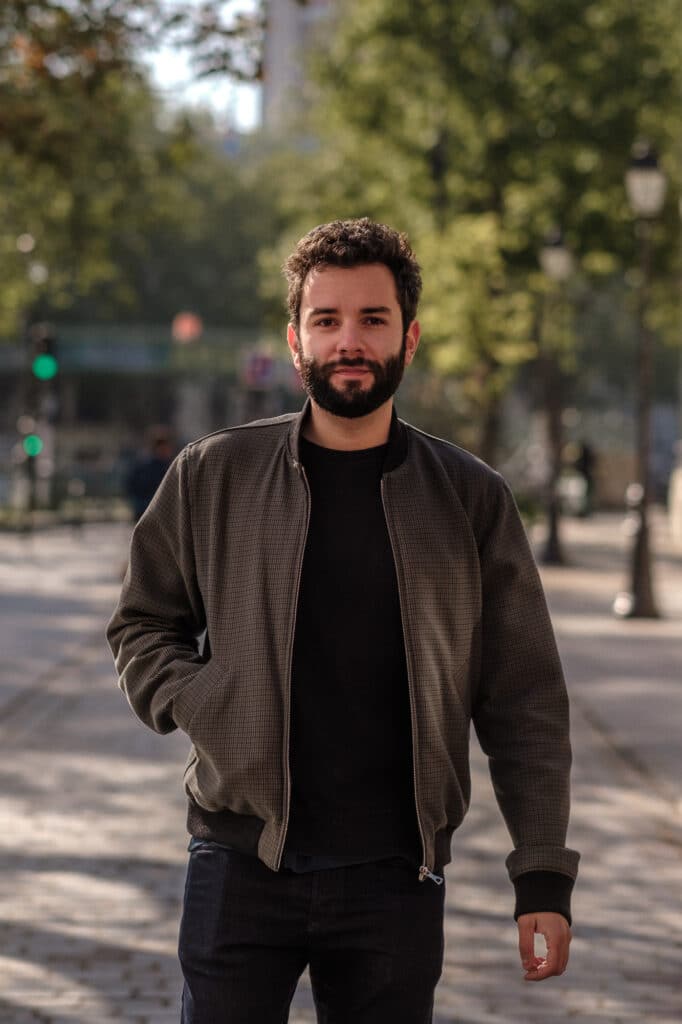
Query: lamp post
{"points": [[645, 184], [557, 263]]}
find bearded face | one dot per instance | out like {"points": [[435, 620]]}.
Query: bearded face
{"points": [[345, 394], [350, 344]]}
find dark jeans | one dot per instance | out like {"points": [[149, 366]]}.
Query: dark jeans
{"points": [[372, 935]]}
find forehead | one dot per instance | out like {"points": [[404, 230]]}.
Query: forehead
{"points": [[330, 287]]}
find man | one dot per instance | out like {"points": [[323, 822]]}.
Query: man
{"points": [[366, 591], [148, 470]]}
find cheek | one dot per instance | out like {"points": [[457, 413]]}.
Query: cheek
{"points": [[309, 349]]}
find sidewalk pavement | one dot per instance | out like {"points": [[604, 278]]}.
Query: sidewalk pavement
{"points": [[92, 841], [625, 675]]}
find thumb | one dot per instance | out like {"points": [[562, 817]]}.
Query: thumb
{"points": [[526, 925]]}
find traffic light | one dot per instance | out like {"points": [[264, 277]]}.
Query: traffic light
{"points": [[43, 352], [44, 366], [32, 442], [41, 395], [35, 449], [33, 445]]}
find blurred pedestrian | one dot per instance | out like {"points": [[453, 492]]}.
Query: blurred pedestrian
{"points": [[366, 589], [148, 469]]}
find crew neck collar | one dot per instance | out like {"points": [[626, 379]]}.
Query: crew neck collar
{"points": [[312, 445], [396, 447]]}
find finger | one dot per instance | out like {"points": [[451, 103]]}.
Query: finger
{"points": [[553, 964], [566, 953], [531, 969], [526, 925], [546, 968], [541, 973], [560, 943]]}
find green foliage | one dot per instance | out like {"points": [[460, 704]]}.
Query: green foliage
{"points": [[192, 237], [479, 127], [63, 39], [72, 200], [477, 318], [106, 209]]}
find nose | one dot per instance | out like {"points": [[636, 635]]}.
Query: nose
{"points": [[349, 341]]}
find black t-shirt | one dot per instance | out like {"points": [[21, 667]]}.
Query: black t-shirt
{"points": [[351, 746]]}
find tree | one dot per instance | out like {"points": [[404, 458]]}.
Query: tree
{"points": [[72, 101], [192, 235], [66, 205], [480, 127], [95, 198]]}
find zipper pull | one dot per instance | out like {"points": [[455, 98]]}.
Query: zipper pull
{"points": [[425, 873]]}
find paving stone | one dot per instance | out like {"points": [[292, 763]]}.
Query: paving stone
{"points": [[93, 847]]}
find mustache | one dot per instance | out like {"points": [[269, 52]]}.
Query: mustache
{"points": [[366, 364]]}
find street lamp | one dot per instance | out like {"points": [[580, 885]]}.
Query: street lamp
{"points": [[645, 184], [557, 263]]}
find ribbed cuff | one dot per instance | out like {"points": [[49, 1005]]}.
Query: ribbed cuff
{"points": [[543, 890]]}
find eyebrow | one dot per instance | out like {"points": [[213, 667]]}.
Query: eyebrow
{"points": [[366, 310]]}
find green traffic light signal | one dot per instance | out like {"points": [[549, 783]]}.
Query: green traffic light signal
{"points": [[44, 366], [33, 445]]}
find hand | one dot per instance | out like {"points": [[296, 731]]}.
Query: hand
{"points": [[557, 934]]}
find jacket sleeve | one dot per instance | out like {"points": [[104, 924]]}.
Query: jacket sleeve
{"points": [[153, 633], [521, 708]]}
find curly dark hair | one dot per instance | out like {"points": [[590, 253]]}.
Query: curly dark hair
{"points": [[354, 243]]}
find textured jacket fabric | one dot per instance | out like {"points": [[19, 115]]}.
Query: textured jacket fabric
{"points": [[220, 549]]}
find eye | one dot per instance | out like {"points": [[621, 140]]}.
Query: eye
{"points": [[325, 321], [374, 320]]}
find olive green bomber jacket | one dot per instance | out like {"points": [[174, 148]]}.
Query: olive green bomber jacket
{"points": [[220, 549]]}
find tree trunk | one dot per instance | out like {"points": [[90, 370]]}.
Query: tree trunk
{"points": [[490, 430], [553, 389]]}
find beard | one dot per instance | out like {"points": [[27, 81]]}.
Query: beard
{"points": [[351, 399]]}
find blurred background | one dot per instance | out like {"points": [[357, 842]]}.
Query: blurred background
{"points": [[158, 160]]}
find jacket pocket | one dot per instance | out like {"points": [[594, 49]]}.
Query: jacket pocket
{"points": [[190, 699]]}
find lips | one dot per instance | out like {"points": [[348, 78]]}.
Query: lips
{"points": [[349, 371]]}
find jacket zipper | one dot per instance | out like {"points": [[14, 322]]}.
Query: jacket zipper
{"points": [[425, 873], [287, 772], [424, 870]]}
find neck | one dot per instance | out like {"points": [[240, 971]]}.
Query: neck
{"points": [[345, 434]]}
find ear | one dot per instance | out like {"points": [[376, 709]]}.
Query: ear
{"points": [[292, 342], [412, 337]]}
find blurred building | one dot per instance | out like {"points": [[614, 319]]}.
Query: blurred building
{"points": [[290, 32], [114, 381]]}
